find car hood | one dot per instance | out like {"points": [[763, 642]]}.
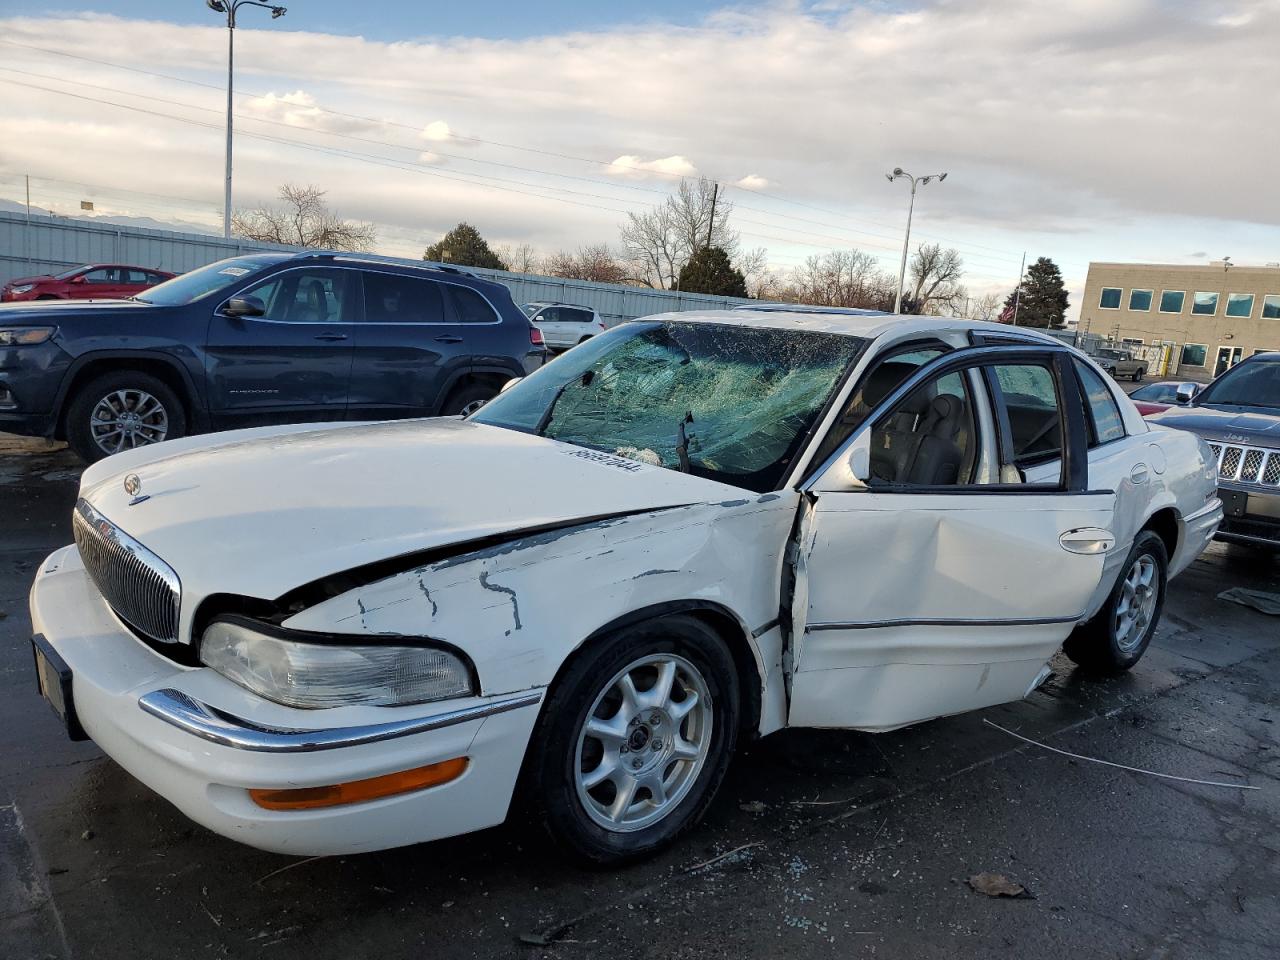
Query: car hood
{"points": [[19, 281], [54, 310], [1232, 425], [260, 512]]}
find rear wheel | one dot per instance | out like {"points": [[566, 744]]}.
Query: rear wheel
{"points": [[467, 399], [1117, 636], [120, 411], [634, 740], [1138, 375]]}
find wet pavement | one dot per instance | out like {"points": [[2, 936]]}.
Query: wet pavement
{"points": [[821, 844]]}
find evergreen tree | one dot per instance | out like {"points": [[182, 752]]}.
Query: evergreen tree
{"points": [[464, 247], [1041, 298], [709, 271]]}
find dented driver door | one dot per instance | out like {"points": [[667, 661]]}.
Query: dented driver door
{"points": [[917, 600]]}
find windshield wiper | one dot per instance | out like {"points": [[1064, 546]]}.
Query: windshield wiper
{"points": [[545, 420], [682, 441]]}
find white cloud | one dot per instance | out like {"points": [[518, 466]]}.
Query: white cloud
{"points": [[665, 168], [752, 181], [437, 131], [427, 156]]}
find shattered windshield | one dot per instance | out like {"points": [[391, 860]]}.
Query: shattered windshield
{"points": [[731, 403]]}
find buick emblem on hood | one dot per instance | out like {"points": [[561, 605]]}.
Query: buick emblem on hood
{"points": [[133, 487]]}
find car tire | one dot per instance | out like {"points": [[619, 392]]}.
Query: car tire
{"points": [[591, 747], [1117, 636], [467, 399], [146, 410], [1138, 375]]}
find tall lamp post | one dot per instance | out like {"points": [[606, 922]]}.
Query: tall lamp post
{"points": [[230, 7], [900, 174]]}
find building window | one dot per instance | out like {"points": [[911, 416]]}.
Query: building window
{"points": [[1132, 341], [1110, 299], [1239, 304], [1171, 301], [1140, 300], [1271, 306], [1194, 354], [1205, 304]]}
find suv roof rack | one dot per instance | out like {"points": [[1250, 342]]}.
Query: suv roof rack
{"points": [[811, 308], [379, 258]]}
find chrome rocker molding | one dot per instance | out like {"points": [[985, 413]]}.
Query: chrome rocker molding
{"points": [[209, 723]]}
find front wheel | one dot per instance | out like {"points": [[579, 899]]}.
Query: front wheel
{"points": [[120, 411], [634, 740], [467, 399], [1117, 636]]}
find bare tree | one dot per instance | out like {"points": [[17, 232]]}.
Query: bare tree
{"points": [[660, 241], [303, 220], [522, 258], [985, 307], [842, 278], [594, 262], [754, 266], [935, 279]]}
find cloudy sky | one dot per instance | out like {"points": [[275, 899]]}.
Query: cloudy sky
{"points": [[1077, 129]]}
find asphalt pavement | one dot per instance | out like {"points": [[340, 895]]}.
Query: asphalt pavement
{"points": [[821, 843]]}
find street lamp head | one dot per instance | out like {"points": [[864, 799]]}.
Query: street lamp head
{"points": [[217, 6], [941, 177], [276, 12], [890, 177], [897, 171]]}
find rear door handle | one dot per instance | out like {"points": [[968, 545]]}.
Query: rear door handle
{"points": [[448, 338], [1087, 540], [331, 336]]}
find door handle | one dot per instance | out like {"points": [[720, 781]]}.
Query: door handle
{"points": [[1139, 473], [1087, 540], [331, 336], [448, 338]]}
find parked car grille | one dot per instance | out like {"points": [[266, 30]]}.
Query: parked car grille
{"points": [[1247, 464], [141, 588]]}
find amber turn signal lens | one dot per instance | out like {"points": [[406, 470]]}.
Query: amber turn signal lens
{"points": [[358, 791]]}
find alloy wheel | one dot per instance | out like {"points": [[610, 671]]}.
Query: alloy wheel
{"points": [[645, 741], [129, 418], [1137, 603]]}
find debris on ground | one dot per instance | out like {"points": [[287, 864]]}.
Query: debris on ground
{"points": [[87, 835], [752, 806], [998, 885], [1259, 600]]}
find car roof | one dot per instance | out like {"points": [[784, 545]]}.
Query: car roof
{"points": [[870, 325]]}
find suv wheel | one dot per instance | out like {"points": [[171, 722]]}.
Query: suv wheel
{"points": [[634, 740], [120, 411], [1115, 639], [467, 399]]}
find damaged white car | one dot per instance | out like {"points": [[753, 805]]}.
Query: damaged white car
{"points": [[691, 530]]}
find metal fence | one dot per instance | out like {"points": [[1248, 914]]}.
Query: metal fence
{"points": [[44, 244]]}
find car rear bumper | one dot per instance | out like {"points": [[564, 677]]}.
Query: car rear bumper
{"points": [[202, 742]]}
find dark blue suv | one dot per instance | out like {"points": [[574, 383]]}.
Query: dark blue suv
{"points": [[266, 338]]}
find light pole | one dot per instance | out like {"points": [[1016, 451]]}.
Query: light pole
{"points": [[229, 7], [899, 174]]}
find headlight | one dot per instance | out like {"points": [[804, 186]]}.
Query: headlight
{"points": [[22, 288], [310, 670], [14, 335]]}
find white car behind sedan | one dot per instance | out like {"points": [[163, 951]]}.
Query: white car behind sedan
{"points": [[564, 325], [693, 529]]}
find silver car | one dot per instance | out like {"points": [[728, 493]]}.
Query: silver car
{"points": [[564, 325]]}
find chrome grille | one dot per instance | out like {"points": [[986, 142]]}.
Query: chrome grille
{"points": [[141, 588], [1247, 464]]}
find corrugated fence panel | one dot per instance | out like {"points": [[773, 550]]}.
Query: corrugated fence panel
{"points": [[53, 244]]}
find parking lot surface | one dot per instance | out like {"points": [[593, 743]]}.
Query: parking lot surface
{"points": [[821, 844]]}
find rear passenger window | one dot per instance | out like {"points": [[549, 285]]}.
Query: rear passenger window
{"points": [[1100, 406], [470, 307], [391, 298], [1035, 416]]}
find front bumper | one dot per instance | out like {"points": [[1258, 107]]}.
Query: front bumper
{"points": [[1252, 515], [202, 742]]}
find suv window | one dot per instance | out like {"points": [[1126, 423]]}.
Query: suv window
{"points": [[469, 306], [576, 316], [1035, 416], [303, 296], [393, 298], [549, 315], [929, 439], [1100, 406]]}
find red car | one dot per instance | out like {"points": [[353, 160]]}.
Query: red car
{"points": [[1155, 397], [97, 281]]}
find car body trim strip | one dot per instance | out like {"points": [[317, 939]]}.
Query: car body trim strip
{"points": [[941, 622], [209, 723]]}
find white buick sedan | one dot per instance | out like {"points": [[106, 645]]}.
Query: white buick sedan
{"points": [[692, 530]]}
